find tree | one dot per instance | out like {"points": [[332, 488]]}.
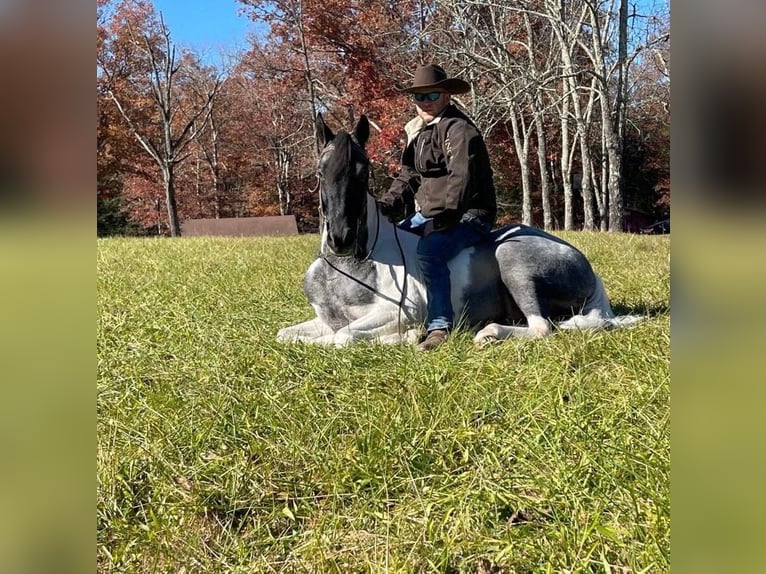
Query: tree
{"points": [[510, 46], [140, 62], [545, 76], [609, 28], [112, 218]]}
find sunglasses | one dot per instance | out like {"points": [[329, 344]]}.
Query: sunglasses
{"points": [[431, 96]]}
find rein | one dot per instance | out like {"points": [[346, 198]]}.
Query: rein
{"points": [[377, 218]]}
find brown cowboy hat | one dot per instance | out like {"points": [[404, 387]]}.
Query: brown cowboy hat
{"points": [[433, 78]]}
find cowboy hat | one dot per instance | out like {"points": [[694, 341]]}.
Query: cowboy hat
{"points": [[432, 78]]}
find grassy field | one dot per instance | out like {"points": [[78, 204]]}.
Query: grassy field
{"points": [[220, 450]]}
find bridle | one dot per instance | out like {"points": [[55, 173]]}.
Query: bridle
{"points": [[368, 190]]}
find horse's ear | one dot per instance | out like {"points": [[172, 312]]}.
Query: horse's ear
{"points": [[324, 134], [362, 130]]}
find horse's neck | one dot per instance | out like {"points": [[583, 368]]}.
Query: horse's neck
{"points": [[373, 223], [384, 243], [378, 228]]}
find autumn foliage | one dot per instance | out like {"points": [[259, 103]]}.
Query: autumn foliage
{"points": [[239, 141]]}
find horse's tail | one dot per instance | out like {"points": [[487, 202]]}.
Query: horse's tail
{"points": [[597, 313]]}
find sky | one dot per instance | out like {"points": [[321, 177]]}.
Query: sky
{"points": [[215, 27], [210, 27]]}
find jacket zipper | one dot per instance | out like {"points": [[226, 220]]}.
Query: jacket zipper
{"points": [[422, 166]]}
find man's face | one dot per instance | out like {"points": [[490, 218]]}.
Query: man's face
{"points": [[431, 104]]}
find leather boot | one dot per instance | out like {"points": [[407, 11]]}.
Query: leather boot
{"points": [[433, 340]]}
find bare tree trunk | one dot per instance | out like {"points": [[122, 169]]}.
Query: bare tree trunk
{"points": [[566, 163], [168, 177], [544, 180], [307, 73], [283, 179], [288, 195], [586, 189], [615, 181], [198, 185], [521, 144], [603, 208], [215, 168], [615, 142]]}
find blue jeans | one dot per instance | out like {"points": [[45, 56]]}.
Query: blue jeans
{"points": [[434, 251]]}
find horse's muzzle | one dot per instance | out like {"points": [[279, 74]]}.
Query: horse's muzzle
{"points": [[341, 245], [341, 253]]}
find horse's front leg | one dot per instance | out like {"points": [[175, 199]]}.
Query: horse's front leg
{"points": [[381, 324], [313, 331]]}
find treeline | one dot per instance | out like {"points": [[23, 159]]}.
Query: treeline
{"points": [[573, 98]]}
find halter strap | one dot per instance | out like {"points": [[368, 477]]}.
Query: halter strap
{"points": [[329, 147]]}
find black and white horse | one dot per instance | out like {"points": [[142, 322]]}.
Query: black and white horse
{"points": [[366, 284]]}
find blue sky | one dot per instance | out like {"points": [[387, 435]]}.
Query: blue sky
{"points": [[215, 27], [210, 27]]}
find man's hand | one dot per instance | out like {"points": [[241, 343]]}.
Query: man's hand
{"points": [[391, 210], [442, 222]]}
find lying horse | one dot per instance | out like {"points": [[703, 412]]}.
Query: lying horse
{"points": [[366, 284]]}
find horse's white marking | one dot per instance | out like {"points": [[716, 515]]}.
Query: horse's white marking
{"points": [[537, 327]]}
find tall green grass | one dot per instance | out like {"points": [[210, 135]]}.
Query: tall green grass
{"points": [[220, 450]]}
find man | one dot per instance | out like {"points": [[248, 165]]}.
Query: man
{"points": [[445, 168]]}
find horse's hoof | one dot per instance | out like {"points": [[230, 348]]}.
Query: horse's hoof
{"points": [[485, 341]]}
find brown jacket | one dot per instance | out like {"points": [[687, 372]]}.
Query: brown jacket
{"points": [[446, 167]]}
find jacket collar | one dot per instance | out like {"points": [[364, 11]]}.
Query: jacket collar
{"points": [[413, 128], [416, 124]]}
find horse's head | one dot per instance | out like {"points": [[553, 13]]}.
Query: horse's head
{"points": [[343, 187]]}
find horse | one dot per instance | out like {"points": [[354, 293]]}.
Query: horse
{"points": [[365, 284]]}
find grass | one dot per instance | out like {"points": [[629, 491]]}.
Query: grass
{"points": [[220, 450]]}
